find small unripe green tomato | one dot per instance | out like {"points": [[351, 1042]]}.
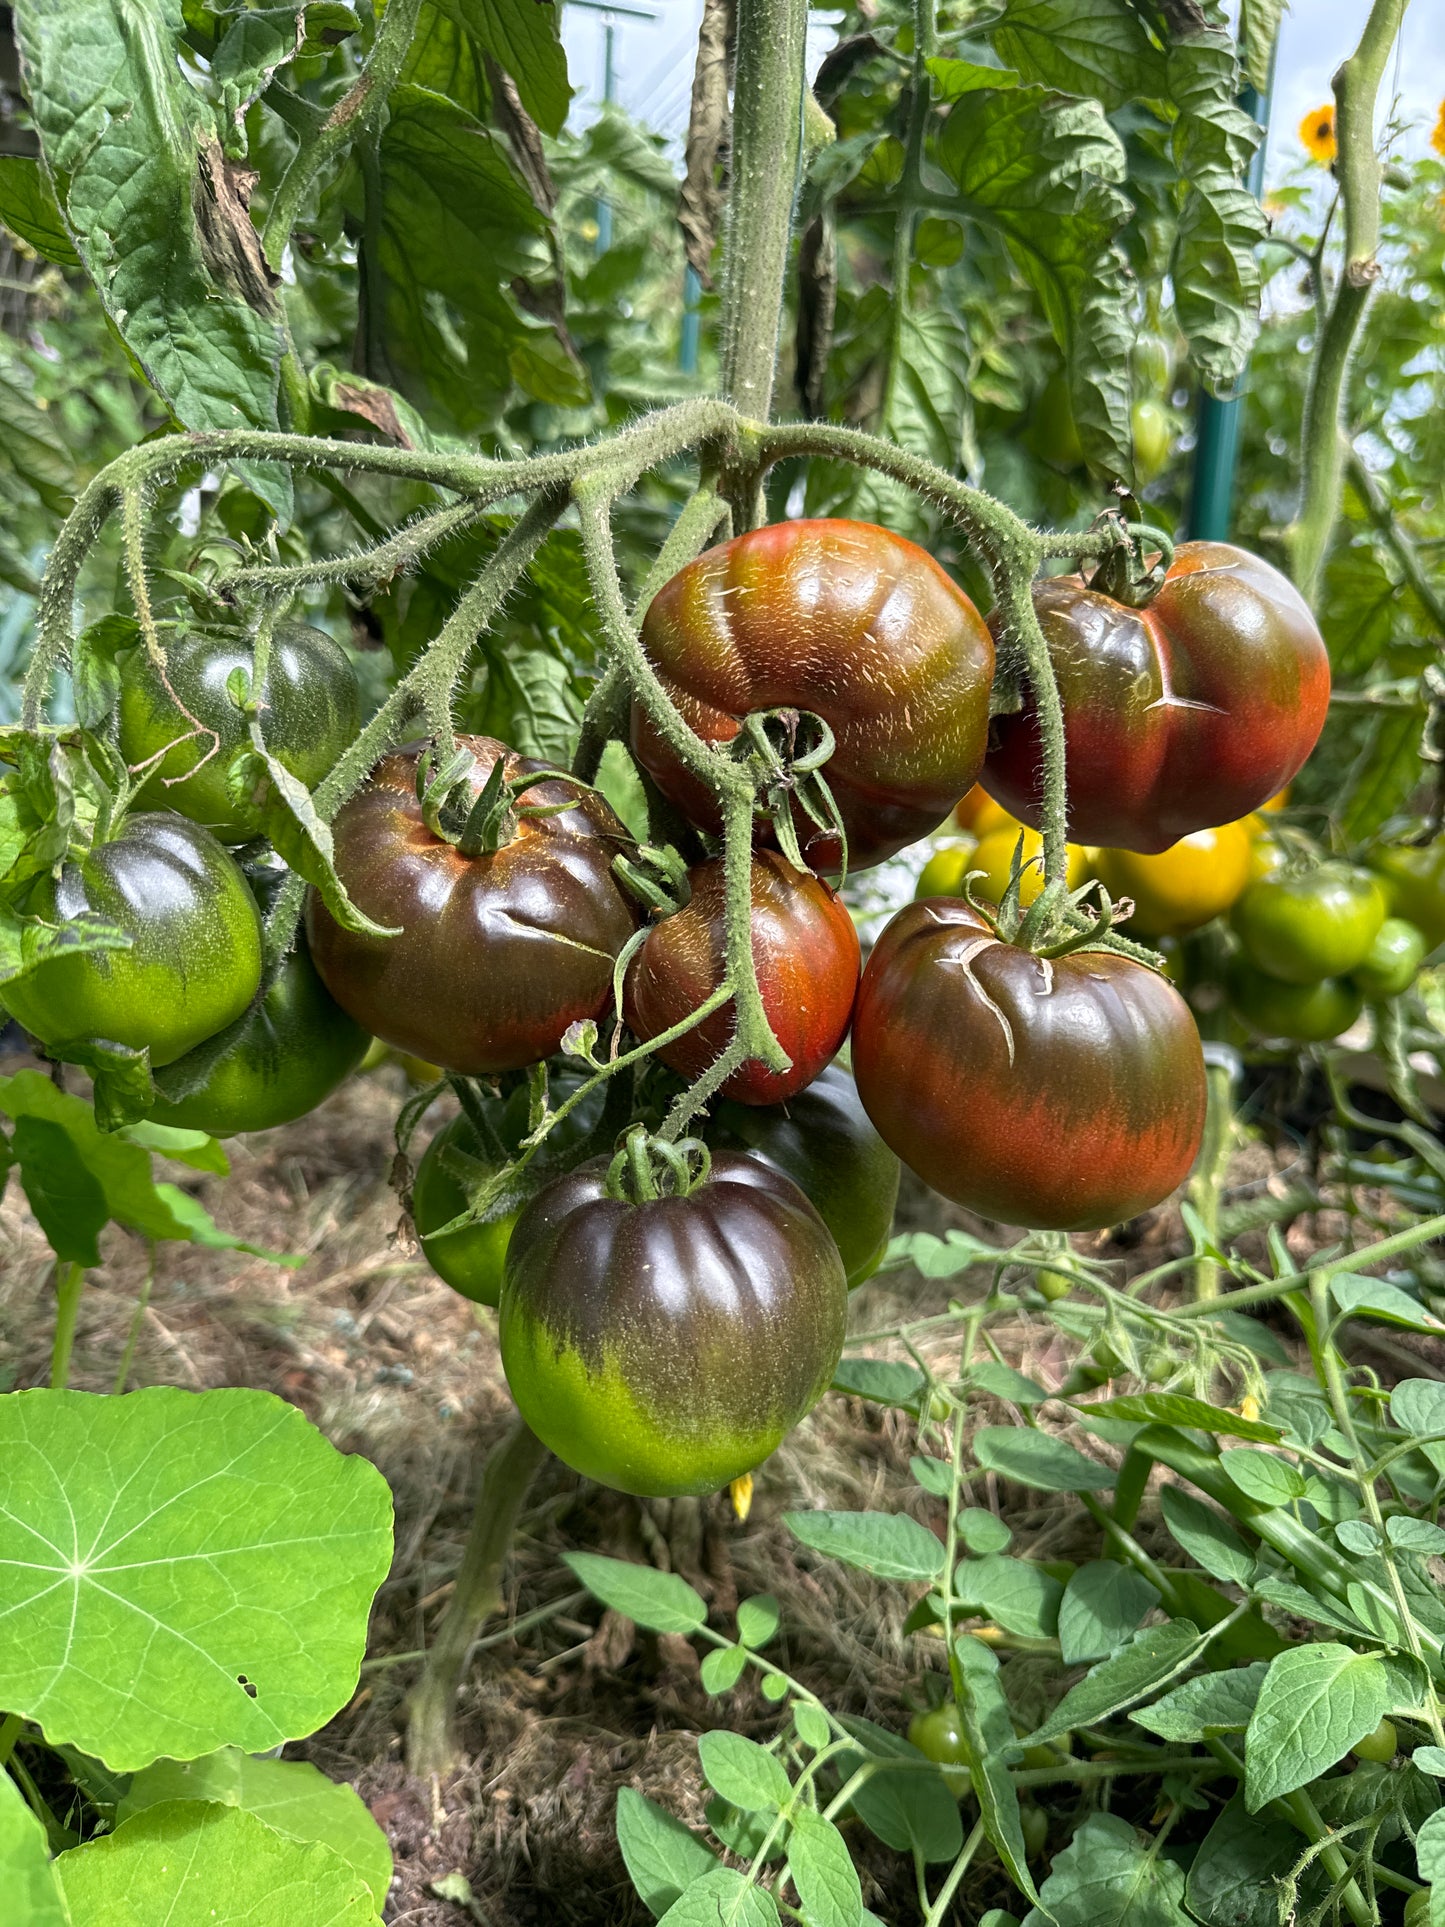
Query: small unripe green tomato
{"points": [[1106, 1358], [1379, 1745], [1392, 960], [1417, 1909], [939, 1736], [1053, 1284], [1158, 1364], [1035, 1823], [1051, 1753]]}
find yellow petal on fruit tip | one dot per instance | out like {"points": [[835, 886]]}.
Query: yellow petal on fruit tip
{"points": [[1249, 1407], [741, 1494]]}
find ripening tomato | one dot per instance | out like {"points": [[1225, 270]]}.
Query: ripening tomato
{"points": [[1303, 1013], [195, 957], [945, 870], [669, 1346], [852, 624], [995, 855], [310, 709], [979, 814], [1309, 926], [805, 948], [1414, 883], [276, 1062], [498, 952], [1065, 1094], [1185, 714], [823, 1141], [1392, 960], [1181, 888]]}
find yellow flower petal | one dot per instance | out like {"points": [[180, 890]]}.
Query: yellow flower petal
{"points": [[1317, 131]]}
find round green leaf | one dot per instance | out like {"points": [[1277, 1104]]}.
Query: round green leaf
{"points": [[26, 1877], [181, 1570], [191, 1864]]}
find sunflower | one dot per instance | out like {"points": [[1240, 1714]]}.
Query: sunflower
{"points": [[1437, 139], [1317, 131]]}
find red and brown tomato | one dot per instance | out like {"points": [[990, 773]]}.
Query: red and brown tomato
{"points": [[805, 948], [1063, 1093], [499, 952], [849, 623], [1179, 716]]}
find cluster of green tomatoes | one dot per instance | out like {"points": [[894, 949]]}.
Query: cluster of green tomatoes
{"points": [[670, 1306]]}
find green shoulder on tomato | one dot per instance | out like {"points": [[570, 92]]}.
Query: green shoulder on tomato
{"points": [[1414, 884], [1301, 1013], [1390, 966], [1304, 928]]}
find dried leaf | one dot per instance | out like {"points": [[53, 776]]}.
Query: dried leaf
{"points": [[709, 127]]}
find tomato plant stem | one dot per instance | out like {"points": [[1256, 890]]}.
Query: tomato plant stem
{"points": [[1426, 1232], [1322, 454], [509, 1470], [69, 1284], [1211, 1169]]}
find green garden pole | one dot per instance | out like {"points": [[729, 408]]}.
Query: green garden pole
{"points": [[1220, 418]]}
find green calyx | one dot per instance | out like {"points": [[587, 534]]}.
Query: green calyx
{"points": [[1127, 573], [647, 1168], [785, 752]]}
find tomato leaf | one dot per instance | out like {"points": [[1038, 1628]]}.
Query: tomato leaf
{"points": [[1316, 1701], [823, 1872], [889, 1545], [661, 1601], [744, 1773], [1175, 1408], [1216, 1702], [28, 208], [1233, 1879], [281, 806], [69, 1205], [1151, 1657], [1263, 1479], [1038, 1459], [1019, 1595], [988, 1724], [1258, 31], [661, 1855], [523, 38], [1102, 1605], [1209, 1539], [758, 1619], [1110, 1875], [1089, 47], [722, 1895]]}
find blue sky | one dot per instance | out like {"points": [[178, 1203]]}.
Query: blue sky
{"points": [[654, 64]]}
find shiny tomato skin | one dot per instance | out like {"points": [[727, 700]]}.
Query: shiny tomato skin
{"points": [[1304, 928], [195, 958], [805, 947], [1184, 887], [291, 1049], [1414, 883], [668, 1347], [310, 712], [853, 624], [1302, 1013], [471, 1260], [1064, 1095], [499, 952], [823, 1141], [1186, 714], [1392, 961]]}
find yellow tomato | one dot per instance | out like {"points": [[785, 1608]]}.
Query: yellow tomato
{"points": [[980, 815], [1278, 800], [1193, 881], [943, 874], [994, 856]]}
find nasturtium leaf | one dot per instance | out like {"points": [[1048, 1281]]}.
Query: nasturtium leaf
{"points": [[1232, 1879], [1019, 1595], [981, 1530], [1316, 1701], [823, 1872], [887, 1381], [1038, 1459], [1102, 1605], [1263, 1479], [292, 1797], [1223, 1701], [744, 1773], [887, 1544], [1111, 1875], [722, 1896], [27, 208], [758, 1619], [1377, 1298], [1175, 1408], [26, 1877], [176, 1862], [723, 1668], [661, 1601], [1152, 1657], [181, 1568], [660, 1854], [988, 1723]]}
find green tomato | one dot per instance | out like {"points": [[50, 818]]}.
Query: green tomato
{"points": [[310, 709], [1035, 1823], [1414, 883], [195, 958], [1417, 1909], [1053, 1285], [276, 1062], [1152, 363], [1153, 435], [1158, 1364], [939, 1736], [1302, 929], [471, 1260], [1303, 1013], [1392, 960], [1379, 1745]]}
